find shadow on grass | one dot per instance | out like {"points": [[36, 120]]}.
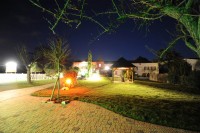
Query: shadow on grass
{"points": [[167, 86], [168, 112], [184, 115]]}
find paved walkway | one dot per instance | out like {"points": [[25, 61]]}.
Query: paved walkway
{"points": [[22, 113]]}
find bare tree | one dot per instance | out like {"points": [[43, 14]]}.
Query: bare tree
{"points": [[35, 67], [56, 55], [26, 59], [185, 12], [70, 12]]}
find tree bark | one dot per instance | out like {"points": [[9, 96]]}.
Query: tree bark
{"points": [[28, 75], [58, 95], [52, 93]]}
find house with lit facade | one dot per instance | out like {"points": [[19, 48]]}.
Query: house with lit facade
{"points": [[97, 67], [145, 69], [142, 68]]}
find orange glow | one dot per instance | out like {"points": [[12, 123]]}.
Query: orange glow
{"points": [[65, 88], [68, 81]]}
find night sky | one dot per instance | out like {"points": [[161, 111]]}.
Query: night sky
{"points": [[22, 23]]}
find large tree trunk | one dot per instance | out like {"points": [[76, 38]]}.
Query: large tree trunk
{"points": [[58, 95], [28, 75], [52, 93]]}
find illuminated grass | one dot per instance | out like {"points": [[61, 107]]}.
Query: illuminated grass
{"points": [[141, 102], [23, 84]]}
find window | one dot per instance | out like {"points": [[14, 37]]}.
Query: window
{"points": [[153, 68]]}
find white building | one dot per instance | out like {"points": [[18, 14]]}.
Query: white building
{"points": [[141, 69], [145, 69], [195, 63], [83, 67]]}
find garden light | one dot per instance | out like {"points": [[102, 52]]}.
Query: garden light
{"points": [[68, 81]]}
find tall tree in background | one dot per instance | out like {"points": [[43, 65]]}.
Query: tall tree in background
{"points": [[35, 67], [173, 64], [27, 60], [56, 54], [185, 12], [89, 63]]}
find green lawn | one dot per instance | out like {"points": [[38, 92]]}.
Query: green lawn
{"points": [[23, 84], [145, 102]]}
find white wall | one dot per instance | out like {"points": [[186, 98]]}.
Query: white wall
{"points": [[146, 68], [195, 63], [7, 78]]}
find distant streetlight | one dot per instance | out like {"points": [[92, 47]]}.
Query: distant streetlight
{"points": [[11, 67], [107, 68]]}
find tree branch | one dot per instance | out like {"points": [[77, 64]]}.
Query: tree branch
{"points": [[141, 17], [115, 7], [189, 45], [60, 16], [171, 44], [188, 4]]}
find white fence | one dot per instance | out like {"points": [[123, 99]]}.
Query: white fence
{"points": [[6, 78]]}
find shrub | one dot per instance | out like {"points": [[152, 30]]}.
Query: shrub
{"points": [[173, 78], [194, 78], [184, 80]]}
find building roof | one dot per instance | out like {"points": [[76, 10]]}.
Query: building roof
{"points": [[121, 62], [141, 59], [109, 62]]}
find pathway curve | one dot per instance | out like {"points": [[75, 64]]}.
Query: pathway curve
{"points": [[22, 113]]}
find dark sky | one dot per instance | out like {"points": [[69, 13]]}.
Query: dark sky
{"points": [[22, 23]]}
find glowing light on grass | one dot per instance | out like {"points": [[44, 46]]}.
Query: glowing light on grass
{"points": [[68, 81], [94, 77], [82, 69], [65, 88], [11, 67]]}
